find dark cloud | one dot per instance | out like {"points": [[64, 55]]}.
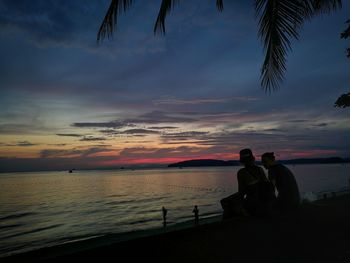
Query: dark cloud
{"points": [[111, 124], [26, 143], [184, 135], [139, 131], [163, 128], [321, 125], [154, 117], [69, 135], [160, 117], [92, 138], [20, 143]]}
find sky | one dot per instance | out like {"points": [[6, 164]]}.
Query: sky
{"points": [[137, 99]]}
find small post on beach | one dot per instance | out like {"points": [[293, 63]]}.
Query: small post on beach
{"points": [[165, 212], [196, 215]]}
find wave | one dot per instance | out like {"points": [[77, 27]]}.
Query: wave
{"points": [[10, 226], [31, 231], [14, 216]]}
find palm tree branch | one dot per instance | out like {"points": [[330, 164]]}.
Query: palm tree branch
{"points": [[164, 10], [220, 5], [325, 6], [346, 32], [279, 21], [109, 22]]}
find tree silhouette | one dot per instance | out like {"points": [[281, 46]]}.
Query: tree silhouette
{"points": [[344, 100], [345, 35], [279, 23]]}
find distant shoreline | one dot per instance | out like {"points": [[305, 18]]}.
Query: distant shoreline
{"points": [[187, 163], [213, 162]]}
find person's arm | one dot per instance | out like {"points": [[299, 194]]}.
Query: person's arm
{"points": [[241, 184], [271, 177]]}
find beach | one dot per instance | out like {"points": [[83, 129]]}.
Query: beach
{"points": [[317, 232]]}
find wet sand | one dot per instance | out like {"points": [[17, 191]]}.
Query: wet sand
{"points": [[317, 232]]}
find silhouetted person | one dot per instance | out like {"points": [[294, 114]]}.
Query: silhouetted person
{"points": [[196, 215], [165, 212], [288, 196], [255, 193]]}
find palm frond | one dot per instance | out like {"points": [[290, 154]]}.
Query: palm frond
{"points": [[109, 22], [220, 5], [346, 32], [325, 6], [279, 22], [345, 35], [165, 8]]}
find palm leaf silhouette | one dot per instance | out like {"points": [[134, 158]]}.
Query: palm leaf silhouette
{"points": [[165, 8], [279, 23], [109, 22]]}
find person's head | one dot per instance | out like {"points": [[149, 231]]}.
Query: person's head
{"points": [[246, 157], [268, 159]]}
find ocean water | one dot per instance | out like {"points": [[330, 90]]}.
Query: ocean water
{"points": [[49, 208]]}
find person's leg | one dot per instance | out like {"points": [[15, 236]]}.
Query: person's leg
{"points": [[233, 206]]}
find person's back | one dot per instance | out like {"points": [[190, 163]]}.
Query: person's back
{"points": [[288, 192], [286, 185]]}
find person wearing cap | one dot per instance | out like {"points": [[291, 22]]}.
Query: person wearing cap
{"points": [[250, 179], [288, 197], [250, 199]]}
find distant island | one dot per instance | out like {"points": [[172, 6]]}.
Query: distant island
{"points": [[213, 162]]}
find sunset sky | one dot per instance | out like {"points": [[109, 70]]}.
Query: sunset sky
{"points": [[67, 102]]}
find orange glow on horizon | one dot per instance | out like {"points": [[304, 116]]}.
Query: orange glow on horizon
{"points": [[166, 160]]}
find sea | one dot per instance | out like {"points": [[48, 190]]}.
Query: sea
{"points": [[44, 209]]}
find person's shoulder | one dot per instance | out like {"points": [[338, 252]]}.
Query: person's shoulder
{"points": [[241, 172], [282, 167]]}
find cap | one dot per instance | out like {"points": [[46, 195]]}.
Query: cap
{"points": [[246, 155]]}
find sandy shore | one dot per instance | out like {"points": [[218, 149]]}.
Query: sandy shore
{"points": [[317, 232]]}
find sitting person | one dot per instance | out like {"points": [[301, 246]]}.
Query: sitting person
{"points": [[288, 197], [254, 195]]}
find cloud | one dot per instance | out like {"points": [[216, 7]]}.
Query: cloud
{"points": [[202, 101], [62, 153], [139, 131], [110, 124], [184, 135], [20, 143], [163, 128], [92, 138], [159, 117], [26, 143], [52, 23], [69, 135], [154, 117], [321, 125]]}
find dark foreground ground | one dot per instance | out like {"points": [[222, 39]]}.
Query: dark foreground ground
{"points": [[318, 232]]}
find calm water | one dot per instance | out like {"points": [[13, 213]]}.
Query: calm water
{"points": [[48, 208]]}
